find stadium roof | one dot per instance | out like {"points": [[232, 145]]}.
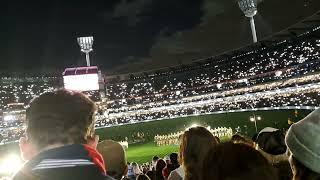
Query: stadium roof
{"points": [[309, 25]]}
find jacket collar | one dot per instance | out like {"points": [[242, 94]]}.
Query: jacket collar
{"points": [[67, 156]]}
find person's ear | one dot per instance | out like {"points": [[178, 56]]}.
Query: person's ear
{"points": [[27, 150], [93, 141]]}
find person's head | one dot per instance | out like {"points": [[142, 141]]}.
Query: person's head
{"points": [[167, 159], [271, 141], [174, 158], [114, 157], [58, 118], [142, 177], [302, 140], [195, 144], [135, 168], [160, 165], [134, 164], [230, 161]]}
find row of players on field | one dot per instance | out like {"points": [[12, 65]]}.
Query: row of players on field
{"points": [[173, 138]]}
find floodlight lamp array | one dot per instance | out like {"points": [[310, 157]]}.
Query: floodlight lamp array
{"points": [[85, 44], [248, 7]]}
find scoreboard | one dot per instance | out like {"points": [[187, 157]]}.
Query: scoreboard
{"points": [[81, 78]]}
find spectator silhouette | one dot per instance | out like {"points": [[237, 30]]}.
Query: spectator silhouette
{"points": [[114, 158], [303, 141], [196, 142], [161, 164], [60, 141], [230, 161]]}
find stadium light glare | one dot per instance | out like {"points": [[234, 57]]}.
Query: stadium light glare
{"points": [[85, 44], [11, 164], [252, 119], [258, 118], [192, 126], [250, 9]]}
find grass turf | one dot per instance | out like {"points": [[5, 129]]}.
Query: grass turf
{"points": [[142, 153]]}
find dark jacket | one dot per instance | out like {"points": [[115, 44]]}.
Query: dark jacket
{"points": [[78, 162]]}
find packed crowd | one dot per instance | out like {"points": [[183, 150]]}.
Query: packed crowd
{"points": [[8, 135], [72, 151], [17, 89], [282, 75], [24, 89], [258, 66], [308, 79], [306, 95]]}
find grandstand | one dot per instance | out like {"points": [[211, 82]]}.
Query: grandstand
{"points": [[279, 72], [282, 68]]}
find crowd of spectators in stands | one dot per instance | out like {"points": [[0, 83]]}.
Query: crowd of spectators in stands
{"points": [[295, 97], [282, 75], [60, 143], [255, 67], [24, 89]]}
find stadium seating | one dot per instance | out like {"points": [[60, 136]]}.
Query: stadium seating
{"points": [[280, 75]]}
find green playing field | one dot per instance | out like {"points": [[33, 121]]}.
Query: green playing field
{"points": [[142, 153]]}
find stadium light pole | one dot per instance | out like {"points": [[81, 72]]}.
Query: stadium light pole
{"points": [[254, 119], [250, 9], [85, 44]]}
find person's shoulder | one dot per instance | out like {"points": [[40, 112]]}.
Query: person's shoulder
{"points": [[174, 175]]}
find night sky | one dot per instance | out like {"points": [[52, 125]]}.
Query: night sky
{"points": [[132, 35]]}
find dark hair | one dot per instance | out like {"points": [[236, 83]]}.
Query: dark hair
{"points": [[239, 139], [150, 174], [155, 158], [174, 158], [229, 161], [283, 170], [60, 117], [196, 142], [301, 172], [161, 164], [143, 177], [272, 142]]}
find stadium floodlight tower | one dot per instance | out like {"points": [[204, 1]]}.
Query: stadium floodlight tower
{"points": [[250, 9], [85, 44]]}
